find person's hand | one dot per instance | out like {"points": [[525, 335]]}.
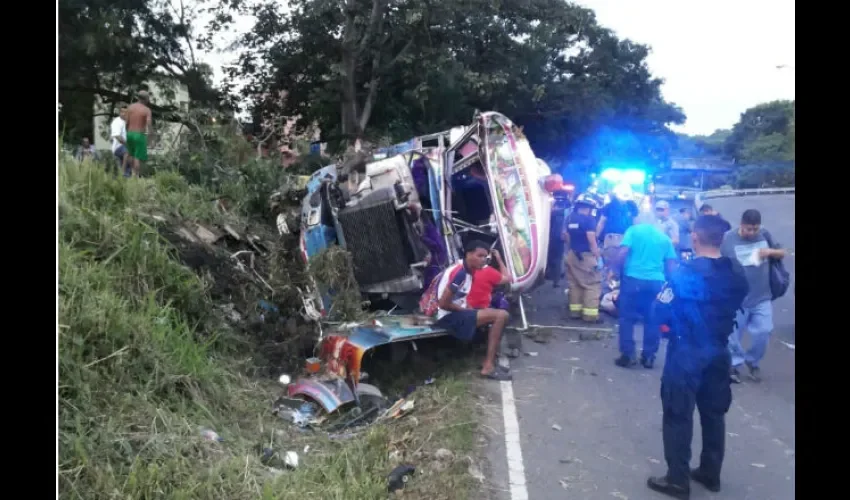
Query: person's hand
{"points": [[765, 252], [496, 254]]}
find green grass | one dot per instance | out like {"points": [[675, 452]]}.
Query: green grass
{"points": [[144, 364]]}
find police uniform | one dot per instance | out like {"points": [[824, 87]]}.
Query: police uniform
{"points": [[584, 278], [696, 309]]}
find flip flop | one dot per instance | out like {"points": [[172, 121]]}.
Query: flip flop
{"points": [[499, 375], [498, 367]]}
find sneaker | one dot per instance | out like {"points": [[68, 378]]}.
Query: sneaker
{"points": [[625, 361], [734, 376], [755, 372], [513, 352], [647, 361], [712, 485], [662, 485]]}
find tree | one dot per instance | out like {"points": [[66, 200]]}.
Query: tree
{"points": [[764, 133], [401, 67], [109, 48]]}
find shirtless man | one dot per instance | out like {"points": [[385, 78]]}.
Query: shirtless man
{"points": [[138, 130]]}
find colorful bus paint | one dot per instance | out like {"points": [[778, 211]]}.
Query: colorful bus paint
{"points": [[521, 205]]}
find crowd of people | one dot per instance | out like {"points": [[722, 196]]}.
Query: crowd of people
{"points": [[129, 133], [698, 282]]}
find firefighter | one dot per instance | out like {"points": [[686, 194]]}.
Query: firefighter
{"points": [[584, 275]]}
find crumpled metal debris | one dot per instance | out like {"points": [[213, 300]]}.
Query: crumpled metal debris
{"points": [[303, 416], [399, 477]]}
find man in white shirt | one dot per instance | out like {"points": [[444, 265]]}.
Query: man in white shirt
{"points": [[118, 134]]}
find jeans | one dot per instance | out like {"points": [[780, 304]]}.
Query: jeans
{"points": [[119, 159], [635, 301], [758, 320], [705, 387]]}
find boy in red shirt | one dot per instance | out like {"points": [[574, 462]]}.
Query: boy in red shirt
{"points": [[481, 295], [484, 281]]}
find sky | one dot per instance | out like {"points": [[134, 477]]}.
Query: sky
{"points": [[717, 57]]}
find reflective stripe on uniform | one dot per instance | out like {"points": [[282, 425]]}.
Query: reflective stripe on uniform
{"points": [[590, 313], [575, 307]]}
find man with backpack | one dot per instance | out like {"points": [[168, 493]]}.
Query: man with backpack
{"points": [[754, 248]]}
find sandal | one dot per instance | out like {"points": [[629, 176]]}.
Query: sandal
{"points": [[501, 376], [498, 367]]}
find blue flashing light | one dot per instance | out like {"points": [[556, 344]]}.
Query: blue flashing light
{"points": [[630, 176], [634, 176], [611, 174]]}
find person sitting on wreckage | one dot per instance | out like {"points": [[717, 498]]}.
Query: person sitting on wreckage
{"points": [[462, 321]]}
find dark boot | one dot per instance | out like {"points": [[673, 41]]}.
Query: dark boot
{"points": [[625, 361], [710, 484], [662, 485]]}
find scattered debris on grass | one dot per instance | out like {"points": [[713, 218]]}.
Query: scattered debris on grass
{"points": [[399, 477], [178, 312]]}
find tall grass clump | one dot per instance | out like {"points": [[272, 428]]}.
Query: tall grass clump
{"points": [[147, 360], [139, 375]]}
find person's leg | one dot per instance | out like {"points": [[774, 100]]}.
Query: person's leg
{"points": [[628, 310], [677, 402], [651, 327], [609, 251], [714, 398], [575, 295], [736, 350], [590, 280], [760, 327], [496, 318]]}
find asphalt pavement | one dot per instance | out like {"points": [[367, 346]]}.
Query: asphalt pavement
{"points": [[591, 430]]}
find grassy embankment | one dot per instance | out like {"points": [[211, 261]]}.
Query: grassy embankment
{"points": [[145, 361]]}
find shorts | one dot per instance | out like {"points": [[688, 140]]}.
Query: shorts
{"points": [[461, 324], [137, 145]]}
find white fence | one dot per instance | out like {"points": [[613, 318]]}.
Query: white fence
{"points": [[726, 193]]}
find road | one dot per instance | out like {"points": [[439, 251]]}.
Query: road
{"points": [[610, 418]]}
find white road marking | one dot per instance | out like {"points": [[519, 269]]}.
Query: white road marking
{"points": [[516, 469]]}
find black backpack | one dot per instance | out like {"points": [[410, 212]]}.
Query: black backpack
{"points": [[780, 278]]}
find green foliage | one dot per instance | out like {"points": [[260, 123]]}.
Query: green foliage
{"points": [[765, 133], [145, 362], [762, 144], [765, 176], [699, 146], [334, 273], [109, 49], [392, 67]]}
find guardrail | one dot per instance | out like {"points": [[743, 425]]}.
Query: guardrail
{"points": [[727, 193]]}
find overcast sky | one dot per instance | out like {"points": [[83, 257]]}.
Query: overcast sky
{"points": [[717, 57]]}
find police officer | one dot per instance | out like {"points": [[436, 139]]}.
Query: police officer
{"points": [[584, 274], [697, 308]]}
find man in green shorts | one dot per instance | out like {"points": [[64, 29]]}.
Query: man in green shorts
{"points": [[138, 129]]}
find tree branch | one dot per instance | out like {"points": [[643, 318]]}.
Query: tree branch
{"points": [[397, 57], [375, 18], [366, 111]]}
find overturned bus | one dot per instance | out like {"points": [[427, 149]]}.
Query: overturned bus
{"points": [[406, 214]]}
